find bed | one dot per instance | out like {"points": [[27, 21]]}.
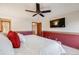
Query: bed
{"points": [[34, 45], [30, 45], [39, 45]]}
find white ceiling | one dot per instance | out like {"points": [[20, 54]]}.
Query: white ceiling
{"points": [[18, 9]]}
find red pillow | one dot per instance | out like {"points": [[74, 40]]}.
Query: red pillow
{"points": [[14, 38]]}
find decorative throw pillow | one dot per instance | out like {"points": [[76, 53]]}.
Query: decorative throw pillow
{"points": [[14, 38]]}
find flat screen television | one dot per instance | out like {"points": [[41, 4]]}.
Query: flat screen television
{"points": [[57, 23]]}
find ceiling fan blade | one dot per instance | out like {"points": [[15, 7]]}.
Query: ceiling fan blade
{"points": [[37, 7], [41, 15], [46, 11], [34, 15], [30, 11]]}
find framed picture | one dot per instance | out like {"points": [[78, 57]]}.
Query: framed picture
{"points": [[57, 23]]}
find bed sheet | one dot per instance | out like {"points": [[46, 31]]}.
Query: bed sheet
{"points": [[36, 45]]}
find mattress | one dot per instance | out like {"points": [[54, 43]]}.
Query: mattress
{"points": [[36, 45]]}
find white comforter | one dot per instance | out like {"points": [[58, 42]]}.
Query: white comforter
{"points": [[36, 45]]}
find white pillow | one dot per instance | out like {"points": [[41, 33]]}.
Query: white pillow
{"points": [[6, 47], [22, 38]]}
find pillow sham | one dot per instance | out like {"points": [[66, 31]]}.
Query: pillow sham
{"points": [[14, 38], [6, 47], [22, 38]]}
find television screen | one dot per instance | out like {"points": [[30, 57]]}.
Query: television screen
{"points": [[57, 22]]}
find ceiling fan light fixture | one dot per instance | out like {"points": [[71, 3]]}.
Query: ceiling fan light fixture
{"points": [[38, 10]]}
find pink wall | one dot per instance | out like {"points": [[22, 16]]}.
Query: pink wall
{"points": [[67, 39], [25, 32]]}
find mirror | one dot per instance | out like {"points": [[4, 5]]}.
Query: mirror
{"points": [[34, 28], [6, 26]]}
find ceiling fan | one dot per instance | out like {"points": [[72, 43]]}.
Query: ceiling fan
{"points": [[38, 11]]}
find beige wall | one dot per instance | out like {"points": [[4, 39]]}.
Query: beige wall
{"points": [[22, 20], [71, 20], [21, 24]]}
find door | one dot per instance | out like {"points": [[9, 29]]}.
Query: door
{"points": [[39, 29], [0, 26]]}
